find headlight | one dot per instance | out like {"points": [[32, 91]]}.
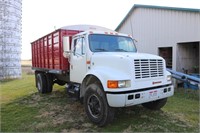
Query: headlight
{"points": [[169, 77], [114, 84]]}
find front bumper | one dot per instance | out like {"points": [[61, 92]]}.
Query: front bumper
{"points": [[122, 99]]}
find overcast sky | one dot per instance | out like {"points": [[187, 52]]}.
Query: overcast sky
{"points": [[40, 17]]}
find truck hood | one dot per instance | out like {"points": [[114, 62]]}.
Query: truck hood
{"points": [[119, 61], [127, 55]]}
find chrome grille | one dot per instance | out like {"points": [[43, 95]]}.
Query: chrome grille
{"points": [[147, 68]]}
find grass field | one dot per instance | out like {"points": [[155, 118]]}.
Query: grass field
{"points": [[23, 109]]}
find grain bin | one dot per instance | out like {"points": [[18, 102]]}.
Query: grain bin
{"points": [[10, 38]]}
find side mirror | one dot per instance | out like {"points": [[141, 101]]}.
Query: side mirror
{"points": [[66, 46], [135, 41]]}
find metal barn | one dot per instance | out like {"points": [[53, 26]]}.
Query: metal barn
{"points": [[173, 33]]}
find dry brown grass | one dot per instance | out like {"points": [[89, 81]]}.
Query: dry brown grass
{"points": [[26, 62]]}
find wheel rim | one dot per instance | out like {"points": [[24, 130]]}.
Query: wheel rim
{"points": [[94, 106]]}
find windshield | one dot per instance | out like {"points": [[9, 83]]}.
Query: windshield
{"points": [[111, 43]]}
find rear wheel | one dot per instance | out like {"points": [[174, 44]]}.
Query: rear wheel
{"points": [[41, 83], [96, 106], [155, 105], [49, 80]]}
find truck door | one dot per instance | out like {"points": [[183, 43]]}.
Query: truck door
{"points": [[78, 67]]}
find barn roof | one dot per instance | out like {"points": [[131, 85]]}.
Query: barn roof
{"points": [[155, 7]]}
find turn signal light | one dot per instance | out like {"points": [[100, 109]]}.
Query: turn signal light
{"points": [[169, 77], [112, 84]]}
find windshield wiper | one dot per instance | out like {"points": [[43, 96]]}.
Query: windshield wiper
{"points": [[100, 49], [121, 50]]}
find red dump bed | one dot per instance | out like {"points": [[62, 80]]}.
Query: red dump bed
{"points": [[47, 52]]}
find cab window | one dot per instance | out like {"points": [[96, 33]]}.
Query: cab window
{"points": [[79, 46]]}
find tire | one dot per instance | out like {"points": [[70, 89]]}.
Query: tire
{"points": [[41, 83], [36, 73], [96, 106], [49, 80], [155, 105]]}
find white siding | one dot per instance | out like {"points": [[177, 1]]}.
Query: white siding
{"points": [[154, 28]]}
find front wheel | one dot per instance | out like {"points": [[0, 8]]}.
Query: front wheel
{"points": [[155, 105], [96, 106]]}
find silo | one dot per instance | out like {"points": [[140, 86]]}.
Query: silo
{"points": [[10, 38]]}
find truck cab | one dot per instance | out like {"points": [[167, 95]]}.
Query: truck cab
{"points": [[106, 71]]}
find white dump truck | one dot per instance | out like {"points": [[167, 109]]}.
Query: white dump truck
{"points": [[102, 68]]}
